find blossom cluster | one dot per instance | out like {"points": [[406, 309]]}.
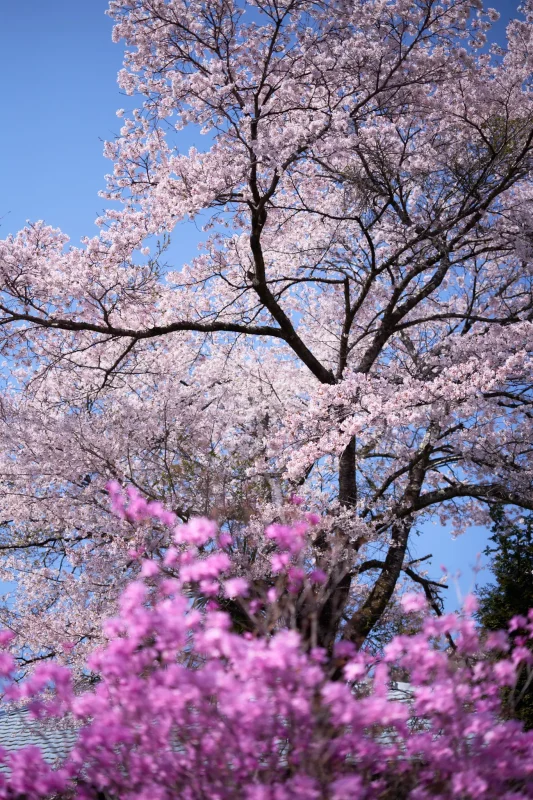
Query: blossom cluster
{"points": [[366, 176], [183, 705]]}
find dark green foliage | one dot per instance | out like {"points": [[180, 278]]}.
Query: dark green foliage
{"points": [[511, 555]]}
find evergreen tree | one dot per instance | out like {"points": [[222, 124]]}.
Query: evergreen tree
{"points": [[511, 554]]}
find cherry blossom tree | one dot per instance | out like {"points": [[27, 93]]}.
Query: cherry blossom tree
{"points": [[356, 331]]}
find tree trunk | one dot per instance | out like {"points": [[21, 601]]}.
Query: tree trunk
{"points": [[347, 475]]}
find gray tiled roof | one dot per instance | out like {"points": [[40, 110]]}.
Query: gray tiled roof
{"points": [[19, 729]]}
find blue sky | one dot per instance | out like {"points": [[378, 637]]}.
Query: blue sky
{"points": [[59, 97], [58, 90]]}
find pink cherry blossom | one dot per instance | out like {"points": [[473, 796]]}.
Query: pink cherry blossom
{"points": [[355, 330]]}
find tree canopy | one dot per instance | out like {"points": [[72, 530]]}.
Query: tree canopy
{"points": [[356, 330]]}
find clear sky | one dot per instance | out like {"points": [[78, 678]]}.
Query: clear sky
{"points": [[58, 97]]}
